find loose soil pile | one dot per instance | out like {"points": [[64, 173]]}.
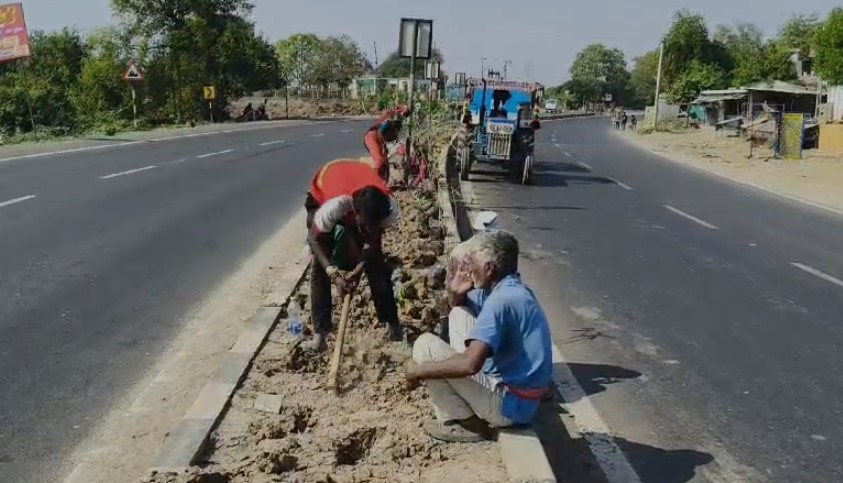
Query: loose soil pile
{"points": [[307, 108], [371, 432]]}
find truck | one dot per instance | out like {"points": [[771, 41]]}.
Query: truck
{"points": [[551, 105]]}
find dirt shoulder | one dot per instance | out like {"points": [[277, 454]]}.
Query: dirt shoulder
{"points": [[816, 179]]}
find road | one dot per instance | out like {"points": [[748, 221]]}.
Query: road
{"points": [[701, 318], [102, 252]]}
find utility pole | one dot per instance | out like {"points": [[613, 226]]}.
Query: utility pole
{"points": [[483, 68], [506, 65], [376, 53], [658, 87]]}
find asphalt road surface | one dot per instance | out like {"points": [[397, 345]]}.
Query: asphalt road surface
{"points": [[701, 318], [101, 253]]}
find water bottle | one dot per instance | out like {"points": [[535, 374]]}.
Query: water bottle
{"points": [[294, 319]]}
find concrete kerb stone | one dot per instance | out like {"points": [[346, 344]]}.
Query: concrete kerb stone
{"points": [[186, 442], [521, 450]]}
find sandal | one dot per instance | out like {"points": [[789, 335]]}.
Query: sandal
{"points": [[453, 432]]}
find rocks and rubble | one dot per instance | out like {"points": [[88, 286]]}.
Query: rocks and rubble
{"points": [[372, 431]]}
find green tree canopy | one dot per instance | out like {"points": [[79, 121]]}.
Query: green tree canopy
{"points": [[599, 70], [396, 66], [829, 44]]}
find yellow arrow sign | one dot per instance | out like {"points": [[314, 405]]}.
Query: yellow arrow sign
{"points": [[210, 93]]}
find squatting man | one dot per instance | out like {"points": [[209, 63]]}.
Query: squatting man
{"points": [[497, 365]]}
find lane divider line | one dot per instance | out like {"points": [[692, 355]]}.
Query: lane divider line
{"points": [[270, 143], [214, 154], [622, 184], [590, 425], [131, 171], [566, 153], [16, 200], [318, 135], [691, 217], [818, 273], [345, 130], [584, 165]]}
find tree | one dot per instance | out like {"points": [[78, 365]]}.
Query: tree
{"points": [[829, 42], [643, 78], [696, 77], [396, 66], [688, 41], [340, 61], [744, 44], [599, 70], [298, 58], [799, 31]]}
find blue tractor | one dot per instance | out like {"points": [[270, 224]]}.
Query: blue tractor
{"points": [[503, 123]]}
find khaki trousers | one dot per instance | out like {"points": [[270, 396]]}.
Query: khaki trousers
{"points": [[456, 399]]}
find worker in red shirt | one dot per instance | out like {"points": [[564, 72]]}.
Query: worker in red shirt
{"points": [[348, 206], [384, 130]]}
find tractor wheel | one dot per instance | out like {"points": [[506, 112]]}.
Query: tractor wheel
{"points": [[465, 164], [527, 171]]}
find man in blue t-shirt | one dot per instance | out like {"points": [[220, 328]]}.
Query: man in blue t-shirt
{"points": [[498, 365]]}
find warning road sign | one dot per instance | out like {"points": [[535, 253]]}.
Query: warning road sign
{"points": [[210, 93], [133, 74]]}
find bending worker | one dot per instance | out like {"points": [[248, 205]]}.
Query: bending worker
{"points": [[384, 130], [348, 207], [497, 366]]}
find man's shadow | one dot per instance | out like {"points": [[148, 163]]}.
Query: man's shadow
{"points": [[571, 457]]}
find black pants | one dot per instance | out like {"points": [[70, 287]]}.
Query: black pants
{"points": [[377, 272]]}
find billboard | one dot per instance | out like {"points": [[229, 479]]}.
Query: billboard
{"points": [[14, 39]]}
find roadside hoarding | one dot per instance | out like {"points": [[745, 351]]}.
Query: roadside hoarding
{"points": [[14, 38]]}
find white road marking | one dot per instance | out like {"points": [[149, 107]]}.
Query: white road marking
{"points": [[590, 425], [566, 153], [214, 154], [817, 273], [318, 135], [585, 166], [557, 144], [691, 217], [270, 143], [131, 171], [622, 184], [346, 130], [154, 140], [16, 200]]}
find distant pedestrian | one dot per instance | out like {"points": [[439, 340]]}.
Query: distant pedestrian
{"points": [[616, 120], [633, 122], [624, 120]]}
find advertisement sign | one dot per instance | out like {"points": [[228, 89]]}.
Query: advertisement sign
{"points": [[14, 39]]}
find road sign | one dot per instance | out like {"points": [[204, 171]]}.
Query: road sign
{"points": [[210, 93], [133, 74], [607, 98]]}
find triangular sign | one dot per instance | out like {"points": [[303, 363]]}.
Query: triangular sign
{"points": [[133, 73]]}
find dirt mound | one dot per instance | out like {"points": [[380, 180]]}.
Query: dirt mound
{"points": [[278, 108], [372, 431]]}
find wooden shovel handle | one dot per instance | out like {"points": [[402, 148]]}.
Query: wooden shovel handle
{"points": [[336, 357]]}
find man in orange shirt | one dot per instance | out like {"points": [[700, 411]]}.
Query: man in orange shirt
{"points": [[348, 206], [384, 130]]}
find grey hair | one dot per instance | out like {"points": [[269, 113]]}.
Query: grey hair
{"points": [[498, 248]]}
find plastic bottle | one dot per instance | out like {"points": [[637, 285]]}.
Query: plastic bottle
{"points": [[294, 319]]}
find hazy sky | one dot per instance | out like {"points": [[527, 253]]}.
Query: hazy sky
{"points": [[540, 37]]}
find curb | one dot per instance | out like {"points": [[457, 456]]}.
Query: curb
{"points": [[521, 450], [186, 441]]}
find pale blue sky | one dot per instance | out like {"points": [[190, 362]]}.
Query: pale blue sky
{"points": [[541, 37]]}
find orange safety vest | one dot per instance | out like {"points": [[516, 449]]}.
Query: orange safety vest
{"points": [[344, 177]]}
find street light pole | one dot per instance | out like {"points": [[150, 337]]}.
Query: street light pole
{"points": [[506, 65], [483, 68], [658, 87]]}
